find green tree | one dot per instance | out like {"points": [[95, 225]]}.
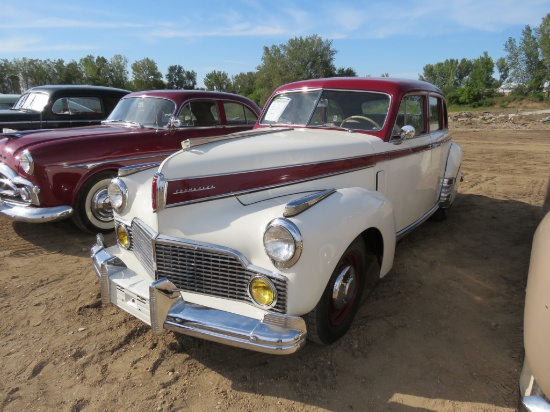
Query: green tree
{"points": [[244, 84], [146, 75], [345, 72], [9, 81], [118, 72], [480, 84], [447, 75], [503, 69], [95, 70], [299, 59], [544, 44], [218, 80], [179, 78], [527, 69]]}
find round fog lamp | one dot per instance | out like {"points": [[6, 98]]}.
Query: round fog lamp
{"points": [[262, 291], [123, 236]]}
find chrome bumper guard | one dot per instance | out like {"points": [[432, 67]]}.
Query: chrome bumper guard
{"points": [[535, 404], [161, 305], [34, 214]]}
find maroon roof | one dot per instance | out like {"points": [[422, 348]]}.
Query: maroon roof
{"points": [[179, 96], [382, 84]]}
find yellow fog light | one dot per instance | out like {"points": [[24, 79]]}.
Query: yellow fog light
{"points": [[262, 291], [123, 236]]}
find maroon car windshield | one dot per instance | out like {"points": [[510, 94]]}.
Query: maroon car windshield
{"points": [[356, 110], [145, 111]]}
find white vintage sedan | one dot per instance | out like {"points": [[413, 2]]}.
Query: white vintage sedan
{"points": [[262, 239]]}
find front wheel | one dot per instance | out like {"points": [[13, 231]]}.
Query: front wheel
{"points": [[93, 212], [333, 315]]}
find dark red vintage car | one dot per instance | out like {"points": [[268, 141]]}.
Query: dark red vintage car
{"points": [[48, 175]]}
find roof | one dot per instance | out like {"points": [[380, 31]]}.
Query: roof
{"points": [[179, 96], [52, 88], [382, 84]]}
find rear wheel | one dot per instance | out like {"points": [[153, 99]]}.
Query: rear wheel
{"points": [[333, 315], [93, 212]]}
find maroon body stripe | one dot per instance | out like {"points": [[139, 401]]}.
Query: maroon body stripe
{"points": [[196, 189]]}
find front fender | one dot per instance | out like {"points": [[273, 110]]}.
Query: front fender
{"points": [[327, 229]]}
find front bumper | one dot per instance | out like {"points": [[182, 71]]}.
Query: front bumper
{"points": [[34, 214], [161, 305]]}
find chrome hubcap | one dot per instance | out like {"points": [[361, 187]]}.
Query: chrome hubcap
{"points": [[344, 287], [101, 206]]}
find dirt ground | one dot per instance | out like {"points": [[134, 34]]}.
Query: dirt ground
{"points": [[441, 332]]}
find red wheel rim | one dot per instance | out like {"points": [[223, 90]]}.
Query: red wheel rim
{"points": [[336, 315]]}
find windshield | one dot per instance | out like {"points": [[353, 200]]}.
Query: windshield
{"points": [[356, 110], [147, 111], [32, 101]]}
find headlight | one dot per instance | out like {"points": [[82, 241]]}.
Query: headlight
{"points": [[282, 243], [118, 194], [123, 236], [26, 162], [262, 291]]}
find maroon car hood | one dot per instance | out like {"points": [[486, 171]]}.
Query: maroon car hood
{"points": [[13, 142]]}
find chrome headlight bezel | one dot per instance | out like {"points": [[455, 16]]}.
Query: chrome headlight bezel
{"points": [[118, 194], [26, 162], [282, 243]]}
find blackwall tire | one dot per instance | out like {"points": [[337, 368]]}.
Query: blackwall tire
{"points": [[332, 316]]}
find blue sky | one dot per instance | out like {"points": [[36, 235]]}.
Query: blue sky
{"points": [[398, 37]]}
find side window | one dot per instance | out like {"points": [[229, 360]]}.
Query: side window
{"points": [[238, 114], [436, 118], [411, 113], [77, 106], [199, 113]]}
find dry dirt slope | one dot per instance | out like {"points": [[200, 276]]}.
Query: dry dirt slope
{"points": [[442, 332]]}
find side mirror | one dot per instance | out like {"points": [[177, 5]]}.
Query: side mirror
{"points": [[407, 132], [174, 123]]}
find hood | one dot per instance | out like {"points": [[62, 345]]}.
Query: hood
{"points": [[26, 139], [260, 160]]}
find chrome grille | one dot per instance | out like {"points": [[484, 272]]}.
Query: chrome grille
{"points": [[142, 245], [199, 268]]}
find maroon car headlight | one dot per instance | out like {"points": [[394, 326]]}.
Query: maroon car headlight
{"points": [[26, 163], [118, 195]]}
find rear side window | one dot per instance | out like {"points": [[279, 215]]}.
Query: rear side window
{"points": [[436, 115], [238, 114], [77, 106]]}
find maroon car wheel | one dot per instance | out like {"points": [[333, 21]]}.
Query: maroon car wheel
{"points": [[93, 212]]}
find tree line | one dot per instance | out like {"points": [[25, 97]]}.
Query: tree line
{"points": [[525, 70]]}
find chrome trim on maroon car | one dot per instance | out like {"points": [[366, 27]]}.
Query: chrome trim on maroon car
{"points": [[34, 214], [91, 165]]}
